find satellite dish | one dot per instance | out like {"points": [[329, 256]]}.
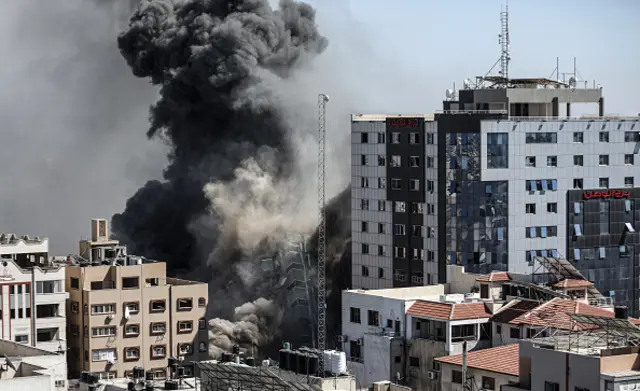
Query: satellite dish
{"points": [[449, 94], [572, 82]]}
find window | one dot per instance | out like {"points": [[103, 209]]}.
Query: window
{"points": [[549, 386], [132, 354], [382, 183], [75, 307], [578, 137], [552, 207], [364, 204], [382, 160], [185, 326], [364, 182], [364, 226], [578, 160], [130, 283], [456, 376], [603, 160], [429, 162], [414, 184], [396, 184], [373, 318], [382, 138], [552, 161], [158, 328], [185, 348], [365, 271], [431, 209], [75, 283], [631, 136], [530, 208], [603, 183], [60, 383], [56, 286], [102, 309], [382, 205], [97, 332], [152, 282], [604, 137], [530, 161], [488, 383], [202, 323], [628, 181], [416, 230], [462, 332], [414, 161], [417, 207], [429, 138], [354, 315], [514, 332], [132, 330], [202, 347], [497, 151], [365, 248], [395, 138], [75, 329], [380, 250], [399, 206], [364, 137], [380, 272], [414, 362], [158, 306], [202, 302], [430, 186], [541, 138], [628, 159], [133, 308], [363, 160], [577, 183], [21, 338], [399, 252], [158, 351], [414, 138], [159, 373], [396, 161], [104, 355]]}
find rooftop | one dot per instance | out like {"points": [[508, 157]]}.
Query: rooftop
{"points": [[409, 293], [502, 359], [383, 117], [554, 313], [449, 311], [573, 283], [7, 239], [494, 277]]}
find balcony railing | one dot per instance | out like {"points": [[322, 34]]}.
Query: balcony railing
{"points": [[431, 337]]}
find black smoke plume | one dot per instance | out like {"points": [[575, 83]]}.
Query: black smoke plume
{"points": [[233, 179]]}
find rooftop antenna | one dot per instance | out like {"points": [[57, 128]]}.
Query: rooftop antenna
{"points": [[504, 45], [322, 102]]}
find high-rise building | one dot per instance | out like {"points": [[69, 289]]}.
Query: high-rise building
{"points": [[32, 296], [124, 312], [494, 180]]}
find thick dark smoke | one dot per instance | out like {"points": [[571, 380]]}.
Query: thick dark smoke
{"points": [[233, 176]]}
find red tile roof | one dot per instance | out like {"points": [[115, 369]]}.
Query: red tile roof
{"points": [[572, 283], [553, 313], [502, 359], [449, 311], [494, 277]]}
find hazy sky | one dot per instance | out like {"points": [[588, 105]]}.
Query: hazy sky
{"points": [[73, 118]]}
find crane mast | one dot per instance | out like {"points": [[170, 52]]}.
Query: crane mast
{"points": [[322, 238]]}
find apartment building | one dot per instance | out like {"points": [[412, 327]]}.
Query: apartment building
{"points": [[32, 295], [493, 181], [124, 312], [29, 368]]}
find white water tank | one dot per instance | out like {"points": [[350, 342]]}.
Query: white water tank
{"points": [[327, 357], [338, 363]]}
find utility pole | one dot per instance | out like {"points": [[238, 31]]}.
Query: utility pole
{"points": [[322, 235]]}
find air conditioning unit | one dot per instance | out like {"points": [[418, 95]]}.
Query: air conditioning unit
{"points": [[432, 375]]}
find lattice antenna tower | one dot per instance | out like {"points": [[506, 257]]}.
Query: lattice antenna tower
{"points": [[505, 56], [322, 234]]}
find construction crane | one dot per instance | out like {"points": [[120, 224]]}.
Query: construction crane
{"points": [[322, 235]]}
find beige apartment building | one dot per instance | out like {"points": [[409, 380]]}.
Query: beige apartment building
{"points": [[124, 312]]}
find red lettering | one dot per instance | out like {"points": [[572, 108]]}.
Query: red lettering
{"points": [[404, 122], [587, 195]]}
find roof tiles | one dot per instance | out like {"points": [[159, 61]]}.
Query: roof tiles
{"points": [[494, 277], [502, 359], [449, 311]]}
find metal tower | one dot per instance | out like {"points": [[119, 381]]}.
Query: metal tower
{"points": [[504, 44], [322, 238]]}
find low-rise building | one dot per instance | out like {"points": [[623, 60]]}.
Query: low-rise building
{"points": [[32, 295], [487, 369], [27, 368], [124, 312]]}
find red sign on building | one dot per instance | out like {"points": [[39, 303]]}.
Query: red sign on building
{"points": [[587, 195]]}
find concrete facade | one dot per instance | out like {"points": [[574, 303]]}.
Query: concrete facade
{"points": [[479, 378], [31, 368]]}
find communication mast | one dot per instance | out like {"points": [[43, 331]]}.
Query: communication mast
{"points": [[504, 45], [322, 239]]}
